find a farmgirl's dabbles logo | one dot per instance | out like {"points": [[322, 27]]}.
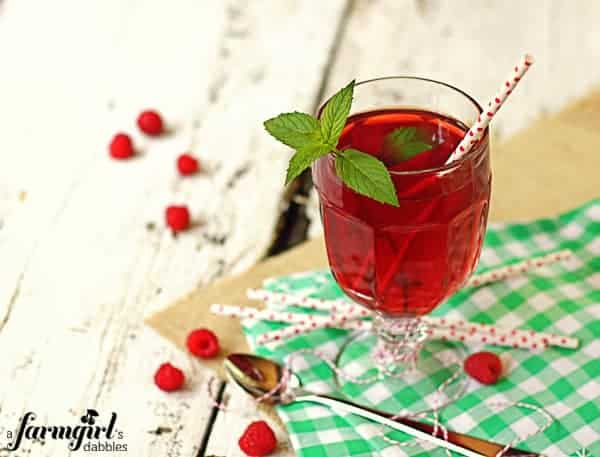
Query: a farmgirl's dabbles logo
{"points": [[89, 435]]}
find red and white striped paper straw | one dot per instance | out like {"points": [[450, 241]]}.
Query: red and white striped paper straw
{"points": [[459, 330], [311, 320], [440, 328], [318, 304], [472, 333], [296, 330], [516, 269], [444, 329], [335, 306], [347, 315], [477, 130]]}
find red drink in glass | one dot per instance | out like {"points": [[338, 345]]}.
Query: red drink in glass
{"points": [[403, 261]]}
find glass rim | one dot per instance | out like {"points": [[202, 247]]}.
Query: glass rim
{"points": [[455, 163]]}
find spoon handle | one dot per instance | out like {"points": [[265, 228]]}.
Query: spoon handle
{"points": [[468, 446]]}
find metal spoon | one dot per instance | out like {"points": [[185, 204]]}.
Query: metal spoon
{"points": [[258, 375]]}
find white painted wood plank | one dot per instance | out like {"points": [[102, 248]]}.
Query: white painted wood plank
{"points": [[241, 410], [472, 45], [79, 266]]}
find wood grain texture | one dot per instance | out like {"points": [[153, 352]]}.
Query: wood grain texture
{"points": [[85, 254]]}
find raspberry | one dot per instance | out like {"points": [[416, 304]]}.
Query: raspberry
{"points": [[121, 146], [178, 218], [258, 440], [203, 343], [485, 367], [150, 122], [169, 378], [187, 165]]}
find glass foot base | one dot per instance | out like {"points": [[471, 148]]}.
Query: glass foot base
{"points": [[407, 388]]}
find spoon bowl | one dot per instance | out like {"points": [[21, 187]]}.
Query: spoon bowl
{"points": [[258, 376]]}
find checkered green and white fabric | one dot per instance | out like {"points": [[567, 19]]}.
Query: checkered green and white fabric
{"points": [[562, 298]]}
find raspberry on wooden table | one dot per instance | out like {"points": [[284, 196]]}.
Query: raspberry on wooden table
{"points": [[121, 146], [177, 217], [187, 164], [258, 440], [485, 367], [203, 343], [169, 378], [150, 122]]}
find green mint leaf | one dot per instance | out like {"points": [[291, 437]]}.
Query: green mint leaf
{"points": [[366, 175], [403, 143], [303, 158], [294, 129], [333, 117], [402, 135], [410, 150]]}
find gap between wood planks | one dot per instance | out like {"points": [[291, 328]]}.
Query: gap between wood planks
{"points": [[293, 224], [211, 420]]}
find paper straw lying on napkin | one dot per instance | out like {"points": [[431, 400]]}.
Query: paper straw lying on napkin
{"points": [[347, 315], [310, 320], [516, 269], [493, 275], [476, 333]]}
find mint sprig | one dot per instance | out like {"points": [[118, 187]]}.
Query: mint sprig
{"points": [[313, 138]]}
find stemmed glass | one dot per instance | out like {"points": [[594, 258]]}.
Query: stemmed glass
{"points": [[402, 262]]}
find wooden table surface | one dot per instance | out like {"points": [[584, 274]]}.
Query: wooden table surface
{"points": [[84, 254]]}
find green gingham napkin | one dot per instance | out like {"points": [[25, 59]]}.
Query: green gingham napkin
{"points": [[562, 298]]}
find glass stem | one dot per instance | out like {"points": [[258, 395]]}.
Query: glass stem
{"points": [[399, 341]]}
